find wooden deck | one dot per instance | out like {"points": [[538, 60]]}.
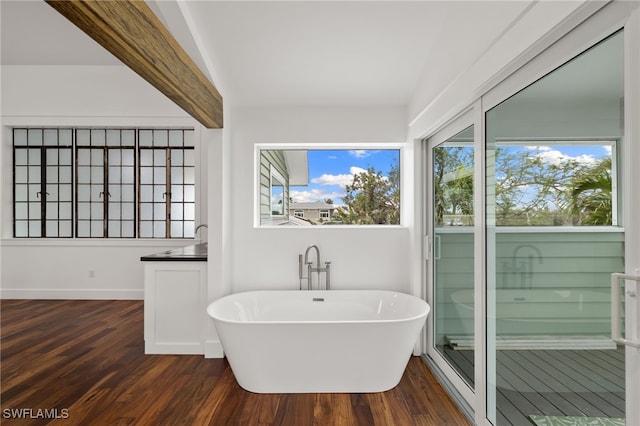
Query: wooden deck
{"points": [[554, 382], [86, 360]]}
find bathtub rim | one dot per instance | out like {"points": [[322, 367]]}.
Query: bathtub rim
{"points": [[424, 314]]}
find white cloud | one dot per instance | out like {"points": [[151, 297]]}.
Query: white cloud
{"points": [[316, 195], [553, 156], [341, 179], [362, 153], [359, 153], [356, 170], [557, 157], [538, 148], [327, 179]]}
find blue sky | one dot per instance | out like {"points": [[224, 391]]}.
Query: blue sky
{"points": [[331, 170]]}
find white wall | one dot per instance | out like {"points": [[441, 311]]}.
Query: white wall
{"points": [[59, 269], [77, 96], [81, 91], [243, 257], [267, 258], [518, 44], [247, 257]]}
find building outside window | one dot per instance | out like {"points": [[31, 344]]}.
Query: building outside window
{"points": [[315, 212]]}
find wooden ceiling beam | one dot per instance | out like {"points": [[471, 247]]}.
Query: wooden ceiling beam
{"points": [[134, 34]]}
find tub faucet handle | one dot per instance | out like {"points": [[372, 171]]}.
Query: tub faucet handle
{"points": [[327, 271]]}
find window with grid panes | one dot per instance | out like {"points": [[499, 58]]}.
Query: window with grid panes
{"points": [[105, 183], [167, 183], [82, 182], [43, 182]]}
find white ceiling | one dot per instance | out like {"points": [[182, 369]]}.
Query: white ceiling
{"points": [[342, 53], [294, 53]]}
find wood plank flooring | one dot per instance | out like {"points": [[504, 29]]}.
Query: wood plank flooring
{"points": [[86, 360], [554, 382]]}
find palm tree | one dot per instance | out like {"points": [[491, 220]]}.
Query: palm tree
{"points": [[591, 202]]}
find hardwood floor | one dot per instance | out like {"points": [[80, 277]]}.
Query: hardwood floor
{"points": [[84, 362]]}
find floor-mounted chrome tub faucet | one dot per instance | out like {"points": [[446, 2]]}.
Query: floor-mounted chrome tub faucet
{"points": [[304, 260]]}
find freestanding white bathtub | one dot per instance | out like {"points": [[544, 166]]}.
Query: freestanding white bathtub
{"points": [[290, 341]]}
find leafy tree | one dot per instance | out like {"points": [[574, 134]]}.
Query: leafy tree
{"points": [[372, 198], [533, 191], [453, 182], [591, 202], [529, 189]]}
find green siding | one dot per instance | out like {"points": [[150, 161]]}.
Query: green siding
{"points": [[564, 291], [275, 159]]}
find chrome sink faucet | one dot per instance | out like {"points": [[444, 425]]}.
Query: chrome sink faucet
{"points": [[202, 225], [310, 269]]}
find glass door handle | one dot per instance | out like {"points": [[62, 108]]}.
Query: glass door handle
{"points": [[616, 335], [431, 250]]}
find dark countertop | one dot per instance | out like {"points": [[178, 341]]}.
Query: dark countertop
{"points": [[194, 253]]}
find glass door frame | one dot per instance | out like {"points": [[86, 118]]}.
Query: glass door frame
{"points": [[632, 209], [565, 42], [464, 120], [575, 40]]}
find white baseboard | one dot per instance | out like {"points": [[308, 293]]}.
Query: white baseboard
{"points": [[91, 294], [213, 349], [151, 348]]}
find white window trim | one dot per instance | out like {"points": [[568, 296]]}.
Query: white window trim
{"points": [[577, 142], [404, 188], [274, 174]]}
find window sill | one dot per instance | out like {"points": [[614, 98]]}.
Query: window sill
{"points": [[298, 227], [96, 242]]}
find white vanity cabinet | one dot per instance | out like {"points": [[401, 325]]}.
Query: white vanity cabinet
{"points": [[174, 303]]}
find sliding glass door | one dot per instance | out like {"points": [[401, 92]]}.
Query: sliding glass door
{"points": [[554, 235], [532, 236], [452, 216], [450, 239]]}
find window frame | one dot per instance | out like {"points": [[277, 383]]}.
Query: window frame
{"points": [[187, 142], [43, 147], [320, 146], [612, 142], [276, 176], [168, 184], [107, 181], [615, 177]]}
